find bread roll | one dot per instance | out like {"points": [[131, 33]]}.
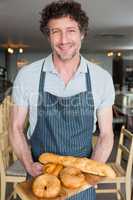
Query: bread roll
{"points": [[72, 178], [82, 163], [46, 186], [52, 168]]}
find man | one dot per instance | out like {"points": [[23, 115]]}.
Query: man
{"points": [[64, 95]]}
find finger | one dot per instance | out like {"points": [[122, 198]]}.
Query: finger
{"points": [[39, 167]]}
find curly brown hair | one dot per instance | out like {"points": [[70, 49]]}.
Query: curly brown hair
{"points": [[64, 8]]}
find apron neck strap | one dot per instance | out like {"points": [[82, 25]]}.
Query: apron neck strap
{"points": [[42, 79], [88, 80]]}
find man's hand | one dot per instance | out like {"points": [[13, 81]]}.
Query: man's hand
{"points": [[35, 169], [93, 179]]}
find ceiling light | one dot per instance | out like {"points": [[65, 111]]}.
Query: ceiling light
{"points": [[119, 54], [21, 50], [109, 54], [10, 50]]}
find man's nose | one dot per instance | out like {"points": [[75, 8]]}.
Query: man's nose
{"points": [[64, 37]]}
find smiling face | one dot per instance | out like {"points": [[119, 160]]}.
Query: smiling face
{"points": [[65, 38]]}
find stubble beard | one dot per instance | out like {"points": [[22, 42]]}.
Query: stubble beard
{"points": [[66, 57]]}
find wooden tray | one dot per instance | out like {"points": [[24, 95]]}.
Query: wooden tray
{"points": [[24, 191]]}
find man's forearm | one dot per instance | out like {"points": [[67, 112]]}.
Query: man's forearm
{"points": [[103, 148], [20, 147]]}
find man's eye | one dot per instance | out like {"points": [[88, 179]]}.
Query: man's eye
{"points": [[72, 31], [55, 31]]}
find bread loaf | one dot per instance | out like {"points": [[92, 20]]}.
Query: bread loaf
{"points": [[84, 164]]}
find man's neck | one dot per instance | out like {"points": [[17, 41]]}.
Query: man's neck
{"points": [[69, 66]]}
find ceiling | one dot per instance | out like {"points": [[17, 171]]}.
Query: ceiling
{"points": [[111, 24]]}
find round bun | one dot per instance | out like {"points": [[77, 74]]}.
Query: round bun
{"points": [[46, 186], [49, 168], [52, 168], [57, 170], [72, 178]]}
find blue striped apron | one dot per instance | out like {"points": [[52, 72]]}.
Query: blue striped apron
{"points": [[64, 126]]}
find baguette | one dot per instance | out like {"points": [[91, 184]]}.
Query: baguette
{"points": [[84, 164]]}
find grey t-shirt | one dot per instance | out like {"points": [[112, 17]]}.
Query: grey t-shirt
{"points": [[25, 89]]}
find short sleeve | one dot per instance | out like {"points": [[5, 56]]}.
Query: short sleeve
{"points": [[108, 94], [20, 91]]}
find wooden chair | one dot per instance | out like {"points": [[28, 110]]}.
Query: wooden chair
{"points": [[10, 170], [5, 115], [122, 166]]}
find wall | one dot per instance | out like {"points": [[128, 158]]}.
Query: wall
{"points": [[2, 58], [101, 59], [128, 55]]}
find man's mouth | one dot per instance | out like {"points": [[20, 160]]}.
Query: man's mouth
{"points": [[64, 47]]}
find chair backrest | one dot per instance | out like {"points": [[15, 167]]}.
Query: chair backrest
{"points": [[1, 119], [5, 114], [125, 151], [6, 156]]}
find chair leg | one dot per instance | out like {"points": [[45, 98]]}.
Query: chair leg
{"points": [[118, 187], [14, 193], [3, 190], [128, 189]]}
